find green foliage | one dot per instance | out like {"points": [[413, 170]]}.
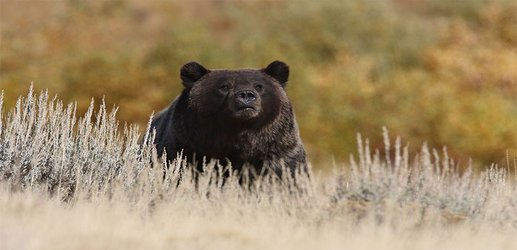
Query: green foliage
{"points": [[435, 71]]}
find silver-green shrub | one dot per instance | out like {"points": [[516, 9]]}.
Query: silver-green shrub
{"points": [[45, 147]]}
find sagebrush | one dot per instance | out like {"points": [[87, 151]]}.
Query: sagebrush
{"points": [[71, 167]]}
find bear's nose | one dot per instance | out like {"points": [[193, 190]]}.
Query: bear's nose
{"points": [[246, 96]]}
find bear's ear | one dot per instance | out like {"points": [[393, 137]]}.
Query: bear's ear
{"points": [[191, 72], [278, 70]]}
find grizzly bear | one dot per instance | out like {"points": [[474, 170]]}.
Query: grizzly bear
{"points": [[238, 117]]}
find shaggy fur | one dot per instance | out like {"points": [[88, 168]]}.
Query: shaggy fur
{"points": [[235, 116]]}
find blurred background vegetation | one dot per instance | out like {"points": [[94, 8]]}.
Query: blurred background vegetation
{"points": [[436, 71]]}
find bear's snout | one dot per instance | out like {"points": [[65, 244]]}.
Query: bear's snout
{"points": [[245, 97], [246, 104]]}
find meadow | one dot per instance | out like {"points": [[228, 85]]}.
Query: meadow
{"points": [[69, 182], [407, 109]]}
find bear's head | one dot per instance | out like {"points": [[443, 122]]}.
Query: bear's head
{"points": [[237, 97]]}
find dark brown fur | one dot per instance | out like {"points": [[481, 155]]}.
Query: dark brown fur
{"points": [[240, 116]]}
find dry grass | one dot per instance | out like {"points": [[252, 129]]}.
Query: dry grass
{"points": [[68, 183], [33, 221]]}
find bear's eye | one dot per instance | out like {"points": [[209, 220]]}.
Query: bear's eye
{"points": [[224, 87], [259, 87]]}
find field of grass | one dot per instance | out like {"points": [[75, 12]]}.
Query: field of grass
{"points": [[80, 183], [441, 74]]}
